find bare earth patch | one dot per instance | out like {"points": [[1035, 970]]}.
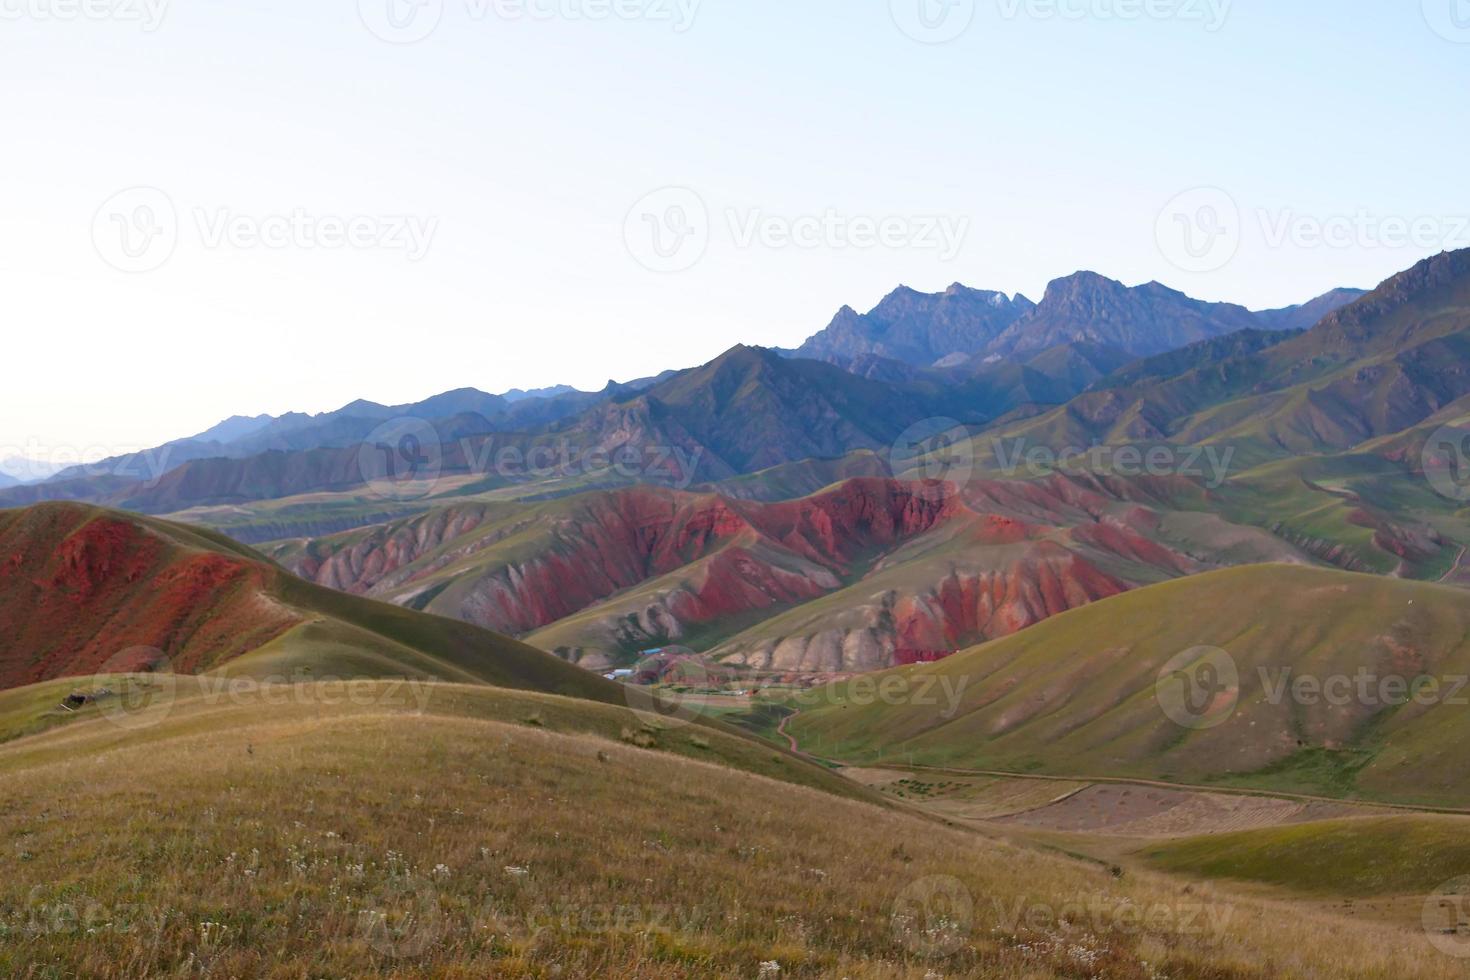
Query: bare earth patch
{"points": [[1149, 811]]}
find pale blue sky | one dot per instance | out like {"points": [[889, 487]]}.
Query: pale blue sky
{"points": [[520, 144]]}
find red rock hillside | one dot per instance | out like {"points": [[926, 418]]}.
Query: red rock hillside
{"points": [[85, 589], [869, 573]]}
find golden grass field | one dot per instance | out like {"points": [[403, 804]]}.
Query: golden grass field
{"points": [[478, 832]]}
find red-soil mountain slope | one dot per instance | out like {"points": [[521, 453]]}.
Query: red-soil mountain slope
{"points": [[82, 588], [85, 590], [520, 567], [860, 576]]}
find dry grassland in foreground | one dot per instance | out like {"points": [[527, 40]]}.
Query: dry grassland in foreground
{"points": [[303, 841]]}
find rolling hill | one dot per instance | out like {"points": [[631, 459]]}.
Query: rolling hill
{"points": [[1408, 854], [319, 838], [1079, 693], [862, 575], [91, 591]]}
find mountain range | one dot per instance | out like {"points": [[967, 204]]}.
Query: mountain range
{"points": [[916, 597], [963, 325], [768, 516], [746, 411]]}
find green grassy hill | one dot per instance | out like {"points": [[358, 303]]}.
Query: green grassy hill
{"points": [[1079, 693], [1401, 855]]}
